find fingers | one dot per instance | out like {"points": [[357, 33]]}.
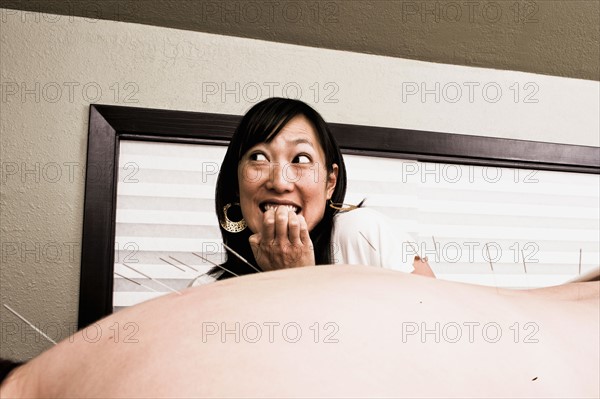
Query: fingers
{"points": [[281, 224], [284, 241], [290, 227], [294, 228], [422, 267], [304, 235], [255, 240], [268, 229]]}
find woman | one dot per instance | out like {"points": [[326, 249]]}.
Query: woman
{"points": [[279, 194]]}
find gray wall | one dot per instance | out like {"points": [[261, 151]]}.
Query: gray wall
{"points": [[560, 38]]}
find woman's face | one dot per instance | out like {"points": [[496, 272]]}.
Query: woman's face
{"points": [[288, 171]]}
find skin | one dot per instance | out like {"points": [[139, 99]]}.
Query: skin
{"points": [[368, 310], [291, 169], [422, 267]]}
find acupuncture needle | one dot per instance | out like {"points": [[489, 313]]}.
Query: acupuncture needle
{"points": [[580, 261], [525, 268], [241, 258], [435, 246], [489, 257], [491, 266], [214, 264], [135, 282], [415, 249], [30, 324], [156, 281], [366, 239], [177, 260], [166, 261]]}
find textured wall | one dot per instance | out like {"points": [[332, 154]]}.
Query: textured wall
{"points": [[53, 68], [553, 37]]}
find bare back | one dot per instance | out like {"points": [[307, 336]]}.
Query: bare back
{"points": [[335, 331]]}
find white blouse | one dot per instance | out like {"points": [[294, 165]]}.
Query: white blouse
{"points": [[364, 236]]}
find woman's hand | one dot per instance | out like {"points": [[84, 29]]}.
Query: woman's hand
{"points": [[284, 241], [422, 267]]}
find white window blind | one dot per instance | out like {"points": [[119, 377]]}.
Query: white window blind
{"points": [[484, 220]]}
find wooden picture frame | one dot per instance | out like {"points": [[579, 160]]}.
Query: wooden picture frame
{"points": [[109, 124]]}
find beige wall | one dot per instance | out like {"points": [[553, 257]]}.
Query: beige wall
{"points": [[75, 61]]}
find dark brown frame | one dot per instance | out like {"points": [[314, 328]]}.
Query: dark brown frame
{"points": [[108, 124]]}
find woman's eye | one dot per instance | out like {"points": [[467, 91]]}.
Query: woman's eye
{"points": [[258, 156], [301, 159]]}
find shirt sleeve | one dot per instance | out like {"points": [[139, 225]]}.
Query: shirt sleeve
{"points": [[365, 236]]}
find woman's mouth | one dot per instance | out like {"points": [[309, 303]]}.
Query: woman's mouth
{"points": [[265, 206]]}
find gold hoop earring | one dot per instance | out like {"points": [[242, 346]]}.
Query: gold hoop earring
{"points": [[342, 207], [228, 225]]}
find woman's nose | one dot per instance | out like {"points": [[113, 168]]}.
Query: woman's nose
{"points": [[279, 179]]}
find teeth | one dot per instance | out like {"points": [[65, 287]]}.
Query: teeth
{"points": [[275, 206]]}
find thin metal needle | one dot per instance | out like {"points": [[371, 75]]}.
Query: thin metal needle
{"points": [[366, 239], [241, 258], [166, 261], [524, 266], [135, 282], [214, 264], [156, 281], [177, 260], [491, 266], [423, 259], [30, 325], [579, 261], [489, 257], [415, 249], [435, 247]]}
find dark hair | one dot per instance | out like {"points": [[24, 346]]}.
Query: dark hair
{"points": [[260, 125]]}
